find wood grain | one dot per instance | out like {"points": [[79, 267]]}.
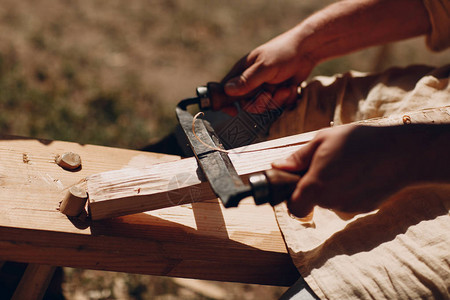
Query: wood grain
{"points": [[134, 190], [199, 240]]}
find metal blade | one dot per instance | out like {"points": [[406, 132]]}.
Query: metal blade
{"points": [[216, 165]]}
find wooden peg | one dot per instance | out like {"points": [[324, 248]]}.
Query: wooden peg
{"points": [[74, 202], [69, 161]]}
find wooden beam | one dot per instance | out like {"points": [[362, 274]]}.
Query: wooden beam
{"points": [[127, 191], [34, 282], [199, 240]]}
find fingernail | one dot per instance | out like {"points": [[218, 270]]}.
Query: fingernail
{"points": [[232, 85], [289, 164], [279, 162]]}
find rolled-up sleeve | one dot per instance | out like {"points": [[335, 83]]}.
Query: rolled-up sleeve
{"points": [[439, 12]]}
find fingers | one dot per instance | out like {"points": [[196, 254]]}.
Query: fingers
{"points": [[299, 160], [300, 208], [285, 96], [250, 79], [268, 98], [238, 68], [261, 103], [302, 200], [304, 197], [271, 98]]}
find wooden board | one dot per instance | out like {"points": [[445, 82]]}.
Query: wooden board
{"points": [[201, 240], [135, 190]]}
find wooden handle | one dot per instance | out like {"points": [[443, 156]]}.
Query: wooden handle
{"points": [[218, 97]]}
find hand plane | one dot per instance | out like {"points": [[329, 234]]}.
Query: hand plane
{"points": [[271, 186]]}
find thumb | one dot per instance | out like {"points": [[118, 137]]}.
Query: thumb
{"points": [[253, 77], [299, 160]]}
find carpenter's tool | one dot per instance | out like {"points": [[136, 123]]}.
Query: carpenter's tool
{"points": [[271, 186]]}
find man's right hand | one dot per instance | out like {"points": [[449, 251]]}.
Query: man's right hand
{"points": [[355, 168]]}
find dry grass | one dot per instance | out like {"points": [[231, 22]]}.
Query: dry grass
{"points": [[110, 73]]}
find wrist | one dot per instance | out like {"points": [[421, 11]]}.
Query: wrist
{"points": [[307, 42]]}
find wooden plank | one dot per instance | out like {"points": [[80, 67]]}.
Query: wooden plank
{"points": [[199, 240], [34, 282], [133, 190], [128, 191]]}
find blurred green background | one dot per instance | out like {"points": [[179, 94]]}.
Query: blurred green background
{"points": [[110, 72]]}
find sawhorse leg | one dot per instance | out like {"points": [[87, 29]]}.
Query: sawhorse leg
{"points": [[34, 282]]}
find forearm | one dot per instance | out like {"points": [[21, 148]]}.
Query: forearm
{"points": [[347, 26]]}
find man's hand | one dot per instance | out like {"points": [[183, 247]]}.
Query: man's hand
{"points": [[281, 64], [277, 66], [355, 168]]}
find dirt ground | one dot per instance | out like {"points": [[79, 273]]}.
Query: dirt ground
{"points": [[110, 73], [89, 284]]}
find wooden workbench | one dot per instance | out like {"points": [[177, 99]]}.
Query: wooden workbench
{"points": [[199, 240]]}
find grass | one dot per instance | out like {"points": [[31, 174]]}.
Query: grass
{"points": [[110, 73]]}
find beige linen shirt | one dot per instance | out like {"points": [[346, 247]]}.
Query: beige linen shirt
{"points": [[402, 250]]}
